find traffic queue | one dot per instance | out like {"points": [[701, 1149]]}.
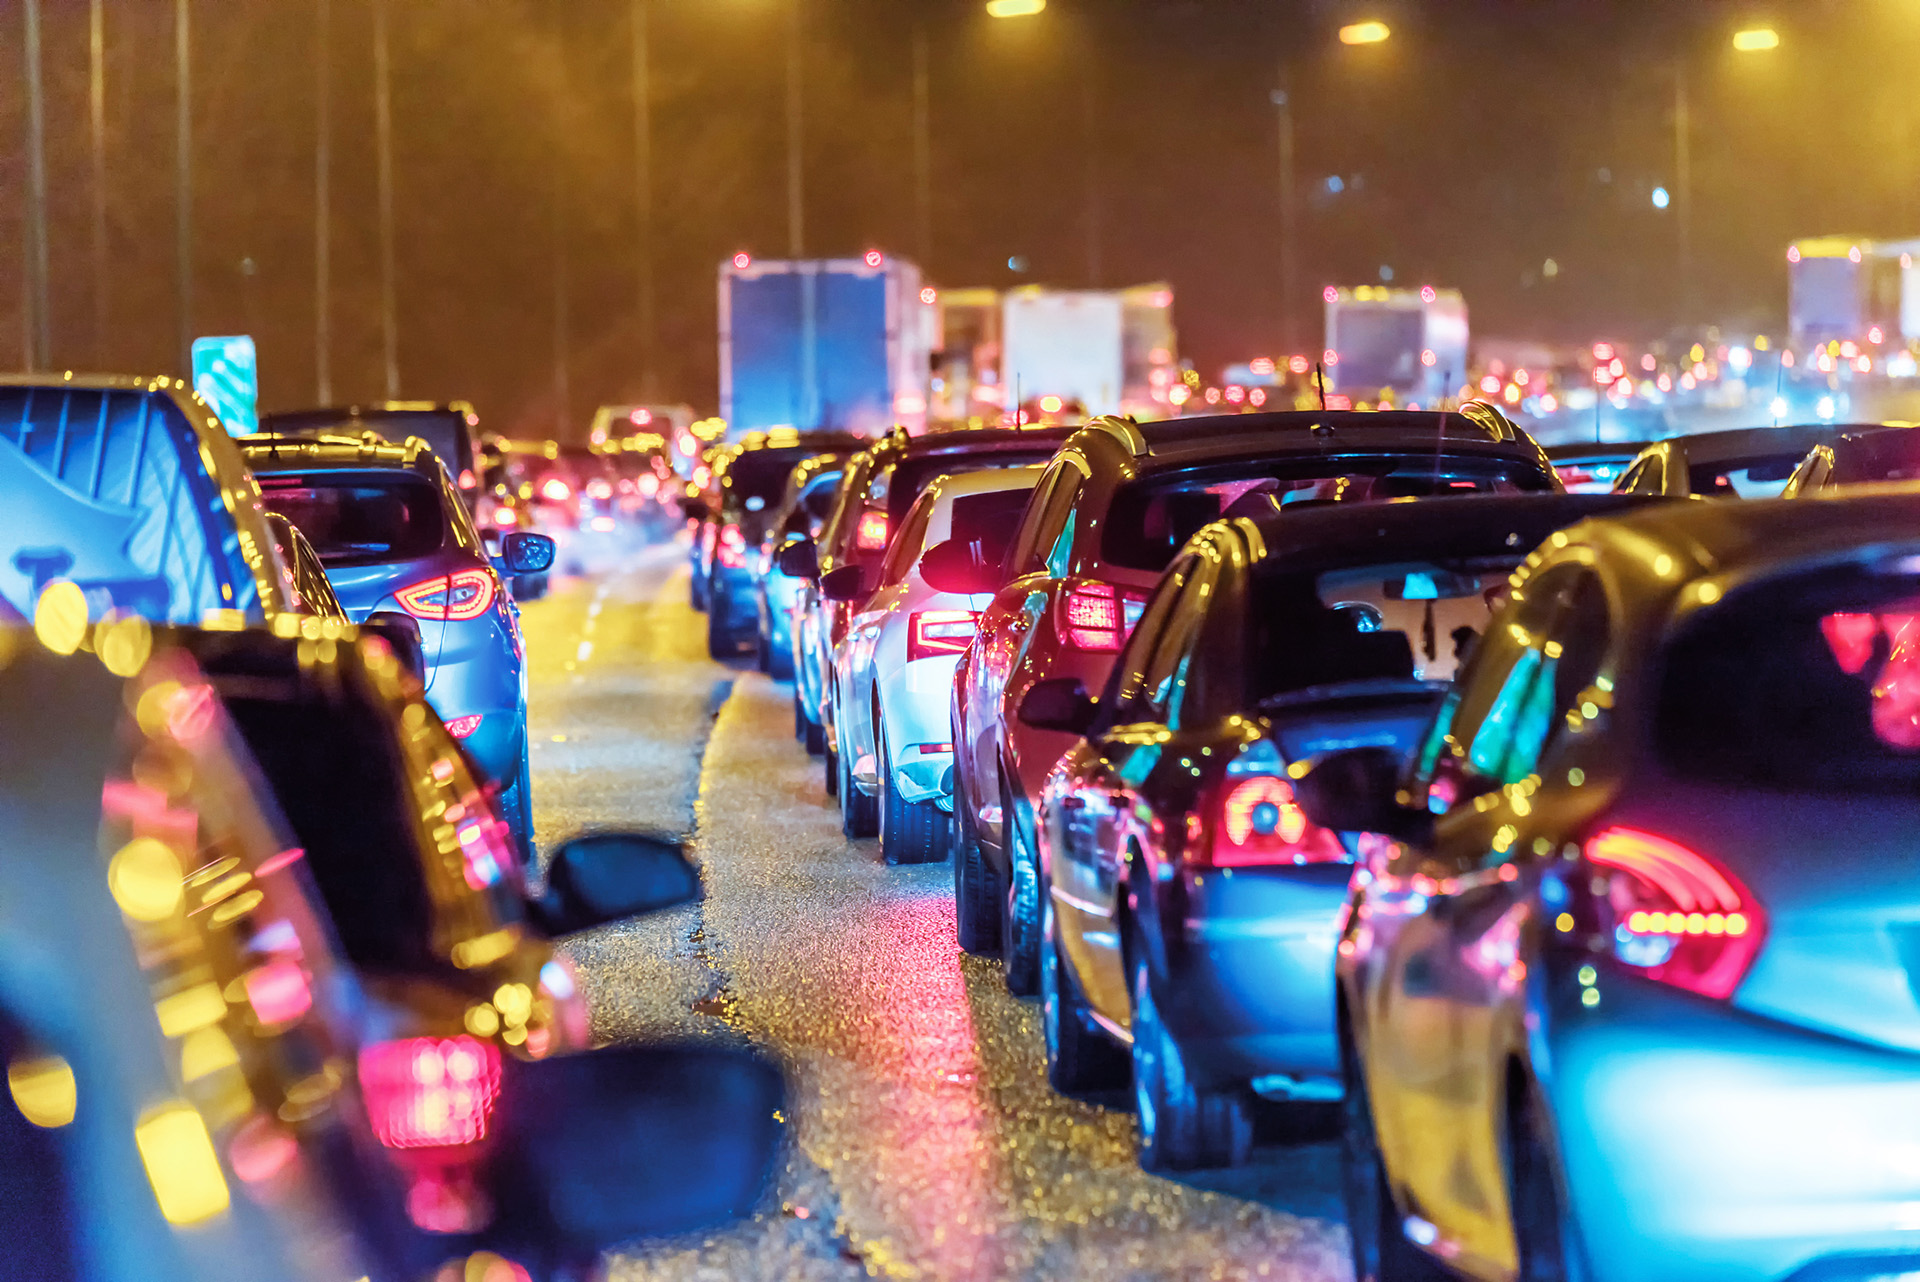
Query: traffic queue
{"points": [[279, 996], [1347, 762]]}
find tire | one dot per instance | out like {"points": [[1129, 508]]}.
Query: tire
{"points": [[911, 832], [762, 652], [977, 893], [697, 589], [799, 717], [1548, 1244], [1381, 1252], [722, 643], [830, 767], [1081, 1060], [516, 807], [1182, 1128], [859, 813], [814, 735], [1019, 907]]}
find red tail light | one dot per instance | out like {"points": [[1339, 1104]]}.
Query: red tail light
{"points": [[935, 632], [599, 488], [732, 547], [555, 490], [452, 597], [1261, 823], [871, 535], [1098, 616], [1677, 916], [461, 727], [428, 1092]]}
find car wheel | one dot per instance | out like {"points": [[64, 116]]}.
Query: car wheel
{"points": [[516, 807], [911, 832], [1547, 1242], [1020, 908], [721, 641], [830, 767], [812, 734], [1381, 1252], [799, 717], [697, 591], [1080, 1058], [859, 813], [762, 652], [976, 891], [1182, 1128]]}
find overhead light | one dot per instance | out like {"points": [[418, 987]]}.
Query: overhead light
{"points": [[1756, 39], [1364, 33], [1014, 8]]}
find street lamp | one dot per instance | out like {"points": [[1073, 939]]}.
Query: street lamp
{"points": [[1014, 8], [1756, 40], [1364, 33]]}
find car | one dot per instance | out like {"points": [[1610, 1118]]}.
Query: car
{"points": [[1591, 467], [1857, 457], [1642, 884], [450, 429], [1116, 505], [802, 514], [895, 666], [1191, 911], [749, 479], [394, 537], [880, 484], [1748, 462]]}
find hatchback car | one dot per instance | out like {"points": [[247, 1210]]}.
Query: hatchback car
{"points": [[1624, 985], [451, 430], [394, 536], [1192, 909], [802, 514], [1746, 463], [894, 669], [1113, 509], [1857, 458]]}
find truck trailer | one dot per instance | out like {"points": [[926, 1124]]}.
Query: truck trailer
{"points": [[1406, 346]]}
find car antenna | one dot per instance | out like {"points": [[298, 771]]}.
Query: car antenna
{"points": [[1320, 383], [1779, 375], [1598, 398]]}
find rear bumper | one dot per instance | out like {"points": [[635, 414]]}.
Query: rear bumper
{"points": [[730, 596], [1702, 1141], [916, 705]]}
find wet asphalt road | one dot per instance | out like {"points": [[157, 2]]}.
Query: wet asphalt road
{"points": [[924, 1140]]}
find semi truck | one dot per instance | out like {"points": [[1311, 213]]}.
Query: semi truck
{"points": [[1844, 287], [824, 344], [1406, 346]]}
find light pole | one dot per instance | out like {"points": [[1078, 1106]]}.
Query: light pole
{"points": [[383, 147], [322, 203], [1283, 105], [1683, 189], [183, 174], [643, 190], [796, 225], [922, 148], [97, 136], [39, 324]]}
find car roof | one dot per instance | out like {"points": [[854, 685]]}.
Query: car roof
{"points": [[1478, 429], [341, 415], [1744, 442], [277, 452], [1865, 435], [986, 480], [969, 440], [1594, 451]]}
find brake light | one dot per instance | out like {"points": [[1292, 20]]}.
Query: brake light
{"points": [[461, 727], [1677, 916], [428, 1092], [931, 633], [871, 535], [599, 488], [555, 490], [732, 548], [451, 597], [1099, 616], [1261, 823]]}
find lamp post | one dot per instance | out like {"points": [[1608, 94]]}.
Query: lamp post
{"points": [[183, 175], [638, 16], [383, 147], [39, 327]]}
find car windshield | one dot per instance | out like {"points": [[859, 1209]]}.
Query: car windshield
{"points": [[360, 518], [1758, 476], [1881, 456], [1805, 684], [757, 479], [1151, 518]]}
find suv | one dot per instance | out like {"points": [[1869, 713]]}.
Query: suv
{"points": [[447, 429], [1114, 507], [1743, 463]]}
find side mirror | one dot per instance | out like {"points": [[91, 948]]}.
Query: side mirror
{"points": [[845, 583], [1357, 791], [626, 1142], [954, 566], [1059, 703], [695, 509], [527, 553], [798, 559], [401, 632], [610, 876]]}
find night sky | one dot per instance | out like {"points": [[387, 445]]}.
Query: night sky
{"points": [[1481, 140]]}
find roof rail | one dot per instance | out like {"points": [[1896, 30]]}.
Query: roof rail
{"points": [[1123, 428], [1491, 420]]}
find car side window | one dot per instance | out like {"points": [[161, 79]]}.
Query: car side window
{"points": [[905, 548], [1159, 678], [1044, 537], [1122, 701]]}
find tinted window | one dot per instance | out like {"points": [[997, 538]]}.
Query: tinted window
{"points": [[989, 520], [1760, 476], [1804, 684], [904, 550], [910, 476], [1882, 456], [360, 518], [760, 475], [1142, 685], [1152, 517]]}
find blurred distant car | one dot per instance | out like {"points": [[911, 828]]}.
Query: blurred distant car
{"points": [[1648, 879], [1592, 468], [800, 517], [451, 430], [1119, 502], [1192, 908], [894, 669], [1857, 457], [537, 483], [394, 537], [1747, 463]]}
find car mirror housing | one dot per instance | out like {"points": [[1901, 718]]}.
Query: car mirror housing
{"points": [[1358, 790], [598, 1149], [527, 553], [1059, 703], [797, 559], [955, 566], [845, 583], [401, 632], [610, 876]]}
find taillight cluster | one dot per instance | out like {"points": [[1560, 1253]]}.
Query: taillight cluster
{"points": [[931, 633], [731, 550], [453, 598], [871, 534], [1260, 822], [1098, 616], [1676, 915], [555, 490], [430, 1092]]}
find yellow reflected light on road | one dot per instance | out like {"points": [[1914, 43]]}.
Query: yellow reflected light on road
{"points": [[1014, 8], [1756, 39], [43, 1090], [181, 1164], [1364, 33]]}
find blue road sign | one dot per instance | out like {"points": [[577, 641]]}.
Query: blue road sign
{"points": [[228, 380]]}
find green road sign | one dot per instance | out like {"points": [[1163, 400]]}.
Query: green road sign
{"points": [[228, 380]]}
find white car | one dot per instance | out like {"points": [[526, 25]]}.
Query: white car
{"points": [[892, 675]]}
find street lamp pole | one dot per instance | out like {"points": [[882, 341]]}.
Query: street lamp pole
{"points": [[643, 189], [183, 174], [322, 202], [1683, 190], [1283, 105], [97, 136], [922, 148], [796, 225], [383, 148], [39, 324]]}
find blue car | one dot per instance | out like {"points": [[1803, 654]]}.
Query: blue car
{"points": [[394, 536], [802, 514]]}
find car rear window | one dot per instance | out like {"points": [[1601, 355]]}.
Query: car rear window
{"points": [[1761, 476], [1883, 456], [360, 518], [1153, 517], [910, 476], [1805, 684]]}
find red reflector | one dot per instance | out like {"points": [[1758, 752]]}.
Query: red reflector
{"points": [[454, 597], [1677, 916], [427, 1092], [1261, 823], [871, 536], [461, 727], [931, 633]]}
